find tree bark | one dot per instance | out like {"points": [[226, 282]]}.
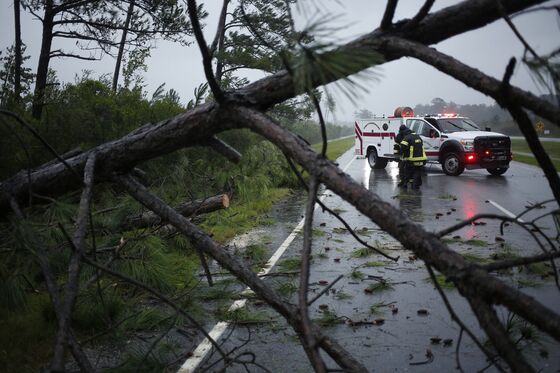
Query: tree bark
{"points": [[121, 45], [220, 39], [188, 209], [17, 51], [44, 60]]}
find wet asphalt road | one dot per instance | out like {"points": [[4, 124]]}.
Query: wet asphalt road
{"points": [[401, 341]]}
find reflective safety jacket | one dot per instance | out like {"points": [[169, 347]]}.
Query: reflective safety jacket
{"points": [[412, 149], [397, 145]]}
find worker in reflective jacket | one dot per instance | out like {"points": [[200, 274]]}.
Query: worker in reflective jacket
{"points": [[397, 152], [412, 150]]}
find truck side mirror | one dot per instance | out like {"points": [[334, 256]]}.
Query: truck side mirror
{"points": [[488, 129]]}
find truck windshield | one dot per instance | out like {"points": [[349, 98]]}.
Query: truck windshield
{"points": [[457, 125]]}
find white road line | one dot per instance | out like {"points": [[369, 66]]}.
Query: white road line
{"points": [[507, 212], [205, 346]]}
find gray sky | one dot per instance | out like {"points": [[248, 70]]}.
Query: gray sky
{"points": [[403, 82]]}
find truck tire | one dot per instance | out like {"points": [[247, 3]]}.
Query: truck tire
{"points": [[497, 171], [376, 161], [452, 164]]}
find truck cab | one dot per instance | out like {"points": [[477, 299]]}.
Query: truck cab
{"points": [[456, 142]]}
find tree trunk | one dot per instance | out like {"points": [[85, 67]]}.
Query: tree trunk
{"points": [[187, 209], [122, 44], [17, 52], [44, 60]]}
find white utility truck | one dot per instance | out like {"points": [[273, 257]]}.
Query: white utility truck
{"points": [[453, 141]]}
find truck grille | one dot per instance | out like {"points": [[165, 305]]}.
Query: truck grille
{"points": [[499, 148]]}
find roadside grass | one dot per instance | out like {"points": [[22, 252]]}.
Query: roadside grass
{"points": [[239, 218], [520, 145], [552, 148], [532, 161], [336, 148]]}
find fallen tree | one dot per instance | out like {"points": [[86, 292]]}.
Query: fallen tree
{"points": [[245, 109]]}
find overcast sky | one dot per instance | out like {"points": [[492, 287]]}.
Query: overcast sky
{"points": [[403, 82]]}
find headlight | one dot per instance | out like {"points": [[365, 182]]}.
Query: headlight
{"points": [[468, 145]]}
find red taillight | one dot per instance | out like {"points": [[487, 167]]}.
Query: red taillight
{"points": [[470, 157]]}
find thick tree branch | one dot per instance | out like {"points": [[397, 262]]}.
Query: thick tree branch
{"points": [[496, 332], [422, 13], [225, 149], [309, 342], [206, 55], [187, 209], [389, 14], [74, 267]]}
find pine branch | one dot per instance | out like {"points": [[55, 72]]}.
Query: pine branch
{"points": [[206, 56], [74, 267]]}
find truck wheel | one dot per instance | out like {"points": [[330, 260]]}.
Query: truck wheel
{"points": [[375, 161], [452, 164], [497, 171]]}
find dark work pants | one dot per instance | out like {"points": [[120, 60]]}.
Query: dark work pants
{"points": [[412, 173]]}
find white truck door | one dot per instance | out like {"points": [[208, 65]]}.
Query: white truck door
{"points": [[431, 138]]}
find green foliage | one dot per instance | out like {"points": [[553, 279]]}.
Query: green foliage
{"points": [[151, 262], [256, 252], [442, 282], [7, 80], [24, 331], [374, 264], [286, 289], [95, 312], [357, 275], [329, 318], [289, 264], [379, 286]]}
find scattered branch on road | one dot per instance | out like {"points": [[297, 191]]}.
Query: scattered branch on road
{"points": [[308, 341]]}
